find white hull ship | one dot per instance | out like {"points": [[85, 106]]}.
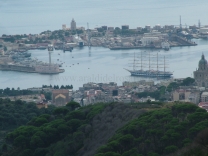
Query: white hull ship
{"points": [[151, 72]]}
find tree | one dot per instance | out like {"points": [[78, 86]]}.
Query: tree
{"points": [[188, 81], [171, 149], [73, 105], [36, 141], [60, 110]]}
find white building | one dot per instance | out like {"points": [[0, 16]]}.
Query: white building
{"points": [[203, 30], [148, 40], [64, 27], [148, 27], [73, 25], [204, 97], [157, 27]]}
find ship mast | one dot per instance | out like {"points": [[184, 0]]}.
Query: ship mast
{"points": [[157, 63], [134, 62], [149, 61], [164, 65], [88, 35], [141, 60]]}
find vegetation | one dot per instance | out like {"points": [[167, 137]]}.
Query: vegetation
{"points": [[70, 130], [58, 133], [15, 92], [162, 91], [113, 129], [186, 82], [57, 87], [15, 114], [159, 132], [158, 94]]}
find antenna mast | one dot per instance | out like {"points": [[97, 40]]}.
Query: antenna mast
{"points": [[199, 24], [134, 62], [180, 23], [89, 36]]}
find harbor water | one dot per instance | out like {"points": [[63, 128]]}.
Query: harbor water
{"points": [[102, 65], [99, 64]]}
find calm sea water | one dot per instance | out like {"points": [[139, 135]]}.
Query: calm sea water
{"points": [[98, 64], [34, 16], [102, 65]]}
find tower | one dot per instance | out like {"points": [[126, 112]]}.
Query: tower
{"points": [[199, 24], [88, 35], [73, 25], [180, 23], [201, 74], [50, 49]]}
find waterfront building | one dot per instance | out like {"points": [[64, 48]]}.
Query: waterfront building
{"points": [[157, 27], [64, 27], [139, 28], [73, 25], [104, 27], [111, 28], [201, 74], [149, 40], [169, 27], [203, 30], [125, 27], [148, 27]]}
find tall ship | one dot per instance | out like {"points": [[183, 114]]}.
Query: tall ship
{"points": [[153, 63]]}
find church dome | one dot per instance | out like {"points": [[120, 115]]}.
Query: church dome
{"points": [[203, 61]]}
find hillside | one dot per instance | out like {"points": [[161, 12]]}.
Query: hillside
{"points": [[159, 132], [70, 132], [113, 129], [17, 113]]}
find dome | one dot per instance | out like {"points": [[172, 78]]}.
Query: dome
{"points": [[203, 61]]}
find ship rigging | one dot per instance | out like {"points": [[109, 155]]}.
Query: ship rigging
{"points": [[144, 62]]}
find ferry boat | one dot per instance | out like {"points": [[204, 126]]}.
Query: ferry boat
{"points": [[150, 72]]}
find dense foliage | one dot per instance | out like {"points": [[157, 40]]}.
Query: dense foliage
{"points": [[15, 92], [73, 130], [58, 134], [185, 82], [17, 113], [57, 87], [158, 132], [158, 94]]}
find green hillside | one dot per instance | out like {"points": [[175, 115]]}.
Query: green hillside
{"points": [[113, 129], [16, 113], [70, 131], [158, 132]]}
